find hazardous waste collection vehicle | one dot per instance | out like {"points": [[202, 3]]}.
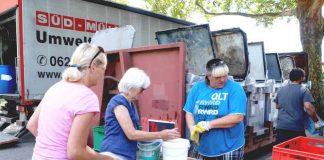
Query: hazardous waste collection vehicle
{"points": [[38, 37]]}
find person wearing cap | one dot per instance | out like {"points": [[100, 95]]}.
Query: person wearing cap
{"points": [[215, 110], [122, 122], [292, 101], [62, 121]]}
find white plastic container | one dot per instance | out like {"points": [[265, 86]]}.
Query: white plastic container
{"points": [[176, 149]]}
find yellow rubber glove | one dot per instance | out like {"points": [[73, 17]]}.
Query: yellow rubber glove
{"points": [[194, 137], [197, 129]]}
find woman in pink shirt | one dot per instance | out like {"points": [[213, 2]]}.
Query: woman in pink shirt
{"points": [[62, 121]]}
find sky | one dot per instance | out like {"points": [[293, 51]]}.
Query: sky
{"points": [[282, 36]]}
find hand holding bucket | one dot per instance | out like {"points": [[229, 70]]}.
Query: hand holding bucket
{"points": [[168, 134]]}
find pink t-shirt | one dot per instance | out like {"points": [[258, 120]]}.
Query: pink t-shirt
{"points": [[61, 103]]}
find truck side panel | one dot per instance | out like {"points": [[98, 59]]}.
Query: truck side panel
{"points": [[52, 30]]}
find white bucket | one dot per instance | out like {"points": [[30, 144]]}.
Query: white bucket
{"points": [[176, 149]]}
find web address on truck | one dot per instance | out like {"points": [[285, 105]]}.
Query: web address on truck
{"points": [[45, 75]]}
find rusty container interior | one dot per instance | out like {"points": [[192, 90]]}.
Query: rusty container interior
{"points": [[165, 65], [231, 46], [290, 60]]}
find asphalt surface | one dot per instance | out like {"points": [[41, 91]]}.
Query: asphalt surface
{"points": [[264, 153], [23, 150]]}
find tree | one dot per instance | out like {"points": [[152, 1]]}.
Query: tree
{"points": [[308, 13]]}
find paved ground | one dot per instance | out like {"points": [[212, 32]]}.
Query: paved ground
{"points": [[24, 148], [264, 153]]}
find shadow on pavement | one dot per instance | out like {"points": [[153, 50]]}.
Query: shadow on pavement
{"points": [[263, 153]]}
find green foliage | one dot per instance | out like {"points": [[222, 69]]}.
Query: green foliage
{"points": [[121, 1], [184, 9]]}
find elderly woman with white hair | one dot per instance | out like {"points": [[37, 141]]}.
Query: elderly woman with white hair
{"points": [[215, 110], [122, 121], [62, 121]]}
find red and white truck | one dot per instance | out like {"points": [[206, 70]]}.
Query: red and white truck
{"points": [[37, 38]]}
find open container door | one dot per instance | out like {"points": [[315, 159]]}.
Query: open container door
{"points": [[273, 66], [257, 89], [165, 65], [231, 46], [198, 42], [287, 63], [291, 60], [258, 66]]}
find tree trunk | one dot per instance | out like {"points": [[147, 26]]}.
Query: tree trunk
{"points": [[311, 35]]}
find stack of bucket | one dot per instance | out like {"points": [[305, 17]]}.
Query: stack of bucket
{"points": [[176, 149]]}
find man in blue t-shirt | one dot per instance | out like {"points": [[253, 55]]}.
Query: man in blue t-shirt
{"points": [[291, 101], [215, 110]]}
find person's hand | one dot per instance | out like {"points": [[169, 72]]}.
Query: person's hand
{"points": [[201, 126], [195, 131], [170, 134], [194, 137]]}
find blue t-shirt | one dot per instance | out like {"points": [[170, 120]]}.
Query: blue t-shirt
{"points": [[115, 140], [206, 104]]}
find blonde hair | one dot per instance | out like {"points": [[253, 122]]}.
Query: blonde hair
{"points": [[80, 60], [216, 68], [219, 71], [133, 78]]}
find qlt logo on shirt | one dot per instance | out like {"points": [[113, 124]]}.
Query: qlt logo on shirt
{"points": [[219, 96]]}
